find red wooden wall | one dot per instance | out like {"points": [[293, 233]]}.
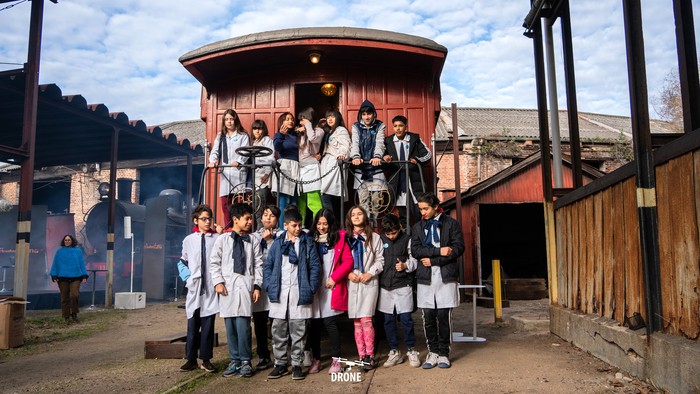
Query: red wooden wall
{"points": [[258, 96]]}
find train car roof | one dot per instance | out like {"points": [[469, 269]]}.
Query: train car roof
{"points": [[306, 33]]}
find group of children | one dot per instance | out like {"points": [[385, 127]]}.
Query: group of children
{"points": [[307, 156], [304, 282]]}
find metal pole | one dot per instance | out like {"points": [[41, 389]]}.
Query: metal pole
{"points": [[253, 197], [435, 178], [458, 183], [342, 190], [571, 101], [409, 196], [188, 206], [131, 286], [216, 194], [546, 160], [644, 160], [687, 64], [553, 103], [542, 113]]}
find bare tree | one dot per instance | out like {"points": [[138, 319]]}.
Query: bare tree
{"points": [[667, 103]]}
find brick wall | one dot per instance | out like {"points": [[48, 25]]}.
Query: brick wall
{"points": [[9, 192], [474, 168], [84, 194]]}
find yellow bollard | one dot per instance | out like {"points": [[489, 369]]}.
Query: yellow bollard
{"points": [[497, 299]]}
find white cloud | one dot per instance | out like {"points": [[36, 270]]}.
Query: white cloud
{"points": [[124, 53]]}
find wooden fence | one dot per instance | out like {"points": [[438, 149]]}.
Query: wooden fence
{"points": [[599, 263]]}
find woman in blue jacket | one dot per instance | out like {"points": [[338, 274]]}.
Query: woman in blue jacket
{"points": [[68, 270]]}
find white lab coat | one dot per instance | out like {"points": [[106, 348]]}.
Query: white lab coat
{"points": [[264, 160], [338, 145], [239, 301], [362, 297], [208, 303], [232, 179]]}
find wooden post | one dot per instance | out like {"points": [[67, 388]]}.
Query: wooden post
{"points": [[109, 289], [31, 98]]}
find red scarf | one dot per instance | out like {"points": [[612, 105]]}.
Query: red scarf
{"points": [[196, 229]]}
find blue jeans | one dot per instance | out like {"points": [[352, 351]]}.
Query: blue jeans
{"points": [[239, 338], [406, 325], [284, 200]]}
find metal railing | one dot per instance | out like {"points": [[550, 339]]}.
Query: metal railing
{"points": [[345, 166]]}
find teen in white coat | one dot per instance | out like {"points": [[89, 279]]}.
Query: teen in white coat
{"points": [[238, 281], [363, 281], [202, 302]]}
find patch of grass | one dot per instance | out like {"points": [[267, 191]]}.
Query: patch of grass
{"points": [[42, 329], [195, 379]]}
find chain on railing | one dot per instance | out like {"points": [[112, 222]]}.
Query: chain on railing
{"points": [[300, 182]]}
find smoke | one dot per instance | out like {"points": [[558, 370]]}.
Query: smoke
{"points": [[5, 206]]}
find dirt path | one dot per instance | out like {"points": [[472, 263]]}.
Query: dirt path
{"points": [[509, 362]]}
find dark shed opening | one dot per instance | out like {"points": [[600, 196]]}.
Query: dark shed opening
{"points": [[513, 234]]}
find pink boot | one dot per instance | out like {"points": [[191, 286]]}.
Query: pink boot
{"points": [[336, 367], [315, 366]]}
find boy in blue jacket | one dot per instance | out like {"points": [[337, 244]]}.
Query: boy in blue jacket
{"points": [[290, 278]]}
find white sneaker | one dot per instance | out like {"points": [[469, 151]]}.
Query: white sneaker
{"points": [[395, 358], [307, 358], [443, 362], [413, 358], [431, 360]]}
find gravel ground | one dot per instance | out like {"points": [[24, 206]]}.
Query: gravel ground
{"points": [[509, 361]]}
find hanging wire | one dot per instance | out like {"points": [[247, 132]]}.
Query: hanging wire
{"points": [[12, 5]]}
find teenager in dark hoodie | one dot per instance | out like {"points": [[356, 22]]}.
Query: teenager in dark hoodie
{"points": [[367, 149]]}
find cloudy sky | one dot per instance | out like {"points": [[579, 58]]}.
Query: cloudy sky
{"points": [[124, 53]]}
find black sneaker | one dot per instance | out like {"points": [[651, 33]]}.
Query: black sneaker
{"points": [[369, 363], [208, 366], [297, 373], [264, 363], [189, 366], [278, 372], [74, 316]]}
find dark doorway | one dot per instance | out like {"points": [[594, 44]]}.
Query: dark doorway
{"points": [[513, 234], [55, 194], [156, 179], [310, 95]]}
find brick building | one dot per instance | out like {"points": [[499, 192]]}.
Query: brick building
{"points": [[493, 139]]}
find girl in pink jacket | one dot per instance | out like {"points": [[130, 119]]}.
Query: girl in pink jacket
{"points": [[332, 298]]}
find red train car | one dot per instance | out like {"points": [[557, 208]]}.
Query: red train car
{"points": [[265, 74]]}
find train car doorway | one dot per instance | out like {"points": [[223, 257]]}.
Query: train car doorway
{"points": [[513, 234], [319, 96]]}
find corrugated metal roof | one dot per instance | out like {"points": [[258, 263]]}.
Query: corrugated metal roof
{"points": [[193, 130], [523, 124], [511, 172], [71, 131]]}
